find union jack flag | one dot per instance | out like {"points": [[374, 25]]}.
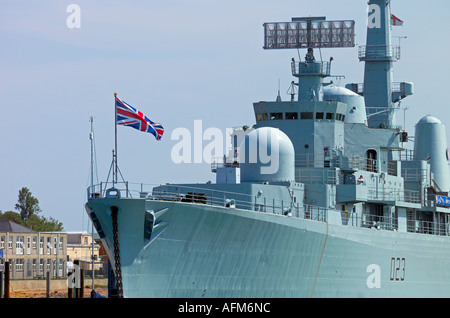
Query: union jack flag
{"points": [[129, 116]]}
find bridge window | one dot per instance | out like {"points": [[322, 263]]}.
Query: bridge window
{"points": [[319, 116], [307, 115], [340, 117], [291, 115], [276, 116], [330, 116]]}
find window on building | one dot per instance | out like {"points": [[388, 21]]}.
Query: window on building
{"points": [[276, 116], [19, 264], [49, 245], [2, 242], [320, 116], [19, 245], [340, 117], [41, 245], [307, 115], [330, 116], [10, 241], [34, 241], [291, 116], [60, 243]]}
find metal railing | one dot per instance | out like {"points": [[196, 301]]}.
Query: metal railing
{"points": [[428, 227], [369, 221], [207, 196], [392, 194], [259, 203], [311, 68], [414, 174], [379, 52], [316, 176]]}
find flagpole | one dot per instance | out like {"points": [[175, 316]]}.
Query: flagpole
{"points": [[115, 136]]}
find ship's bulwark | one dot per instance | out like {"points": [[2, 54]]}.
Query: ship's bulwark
{"points": [[203, 251]]}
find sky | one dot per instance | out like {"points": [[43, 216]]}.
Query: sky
{"points": [[177, 61]]}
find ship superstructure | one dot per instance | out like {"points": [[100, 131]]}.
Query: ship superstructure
{"points": [[320, 198]]}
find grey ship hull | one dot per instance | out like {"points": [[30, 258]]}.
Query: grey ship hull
{"points": [[197, 250]]}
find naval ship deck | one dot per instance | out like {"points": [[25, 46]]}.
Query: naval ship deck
{"points": [[207, 195]]}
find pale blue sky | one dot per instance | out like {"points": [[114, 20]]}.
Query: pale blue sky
{"points": [[177, 61]]}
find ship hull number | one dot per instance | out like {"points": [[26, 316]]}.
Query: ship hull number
{"points": [[398, 269]]}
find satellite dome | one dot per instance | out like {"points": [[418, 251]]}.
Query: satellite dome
{"points": [[428, 119], [267, 154], [356, 106], [430, 145]]}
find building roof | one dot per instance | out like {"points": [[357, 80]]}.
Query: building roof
{"points": [[10, 226]]}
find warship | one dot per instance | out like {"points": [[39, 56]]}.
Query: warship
{"points": [[321, 197]]}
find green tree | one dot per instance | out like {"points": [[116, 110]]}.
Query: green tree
{"points": [[11, 216], [42, 224], [27, 204]]}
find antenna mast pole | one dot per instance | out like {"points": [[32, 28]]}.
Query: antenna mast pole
{"points": [[115, 138], [91, 137]]}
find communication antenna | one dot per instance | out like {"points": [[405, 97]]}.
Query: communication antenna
{"points": [[309, 32]]}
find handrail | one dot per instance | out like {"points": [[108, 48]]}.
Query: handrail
{"points": [[379, 52], [314, 68], [208, 196]]}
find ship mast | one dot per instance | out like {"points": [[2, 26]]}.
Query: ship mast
{"points": [[379, 56]]}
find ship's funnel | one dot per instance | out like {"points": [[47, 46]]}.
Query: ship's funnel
{"points": [[431, 145]]}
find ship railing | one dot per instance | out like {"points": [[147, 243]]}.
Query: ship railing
{"points": [[352, 161], [364, 164], [407, 155], [428, 227], [217, 164], [391, 224], [380, 52], [314, 68], [227, 199], [358, 88], [414, 174], [369, 221], [379, 222], [393, 194], [259, 203], [316, 161], [316, 176], [208, 196]]}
